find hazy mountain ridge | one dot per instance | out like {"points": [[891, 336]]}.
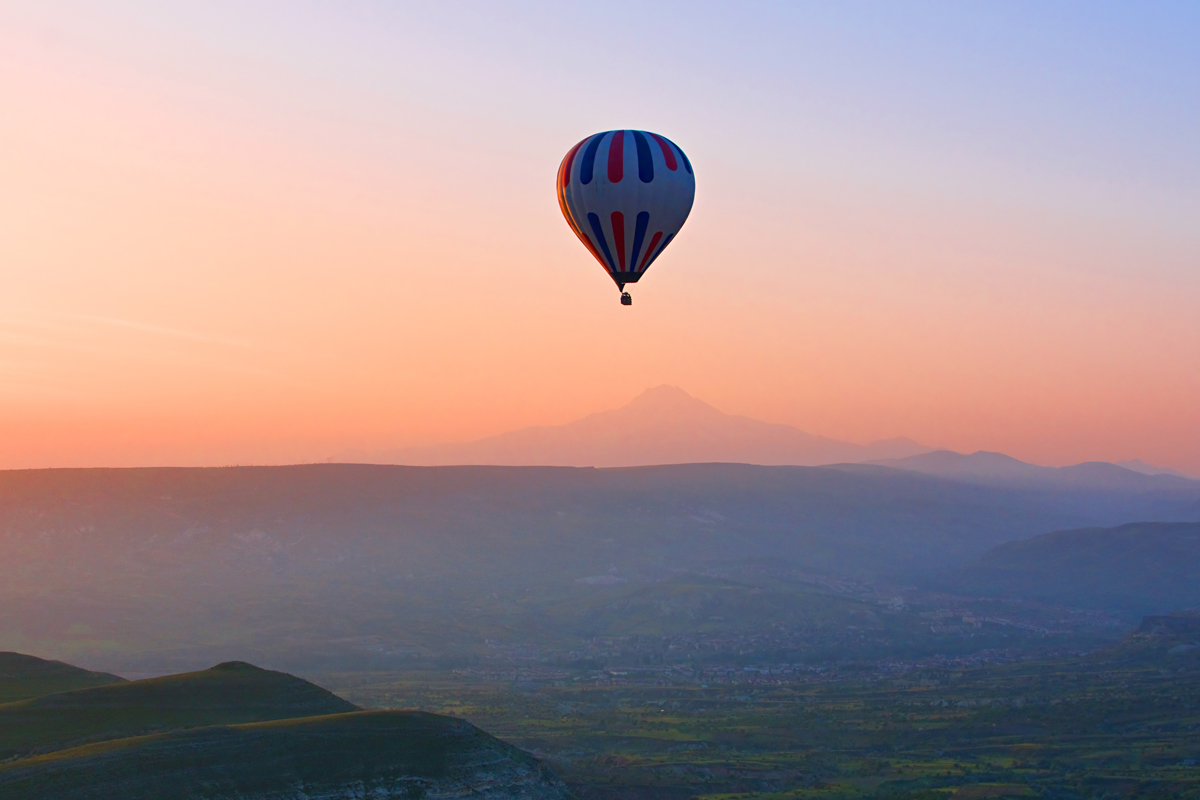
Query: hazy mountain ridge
{"points": [[1094, 489], [666, 425], [997, 469], [210, 564], [1137, 465], [663, 425]]}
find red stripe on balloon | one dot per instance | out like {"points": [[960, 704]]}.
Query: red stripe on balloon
{"points": [[668, 153], [649, 250], [616, 157], [618, 226]]}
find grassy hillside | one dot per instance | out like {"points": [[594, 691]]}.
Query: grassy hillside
{"points": [[227, 693], [23, 676], [403, 754], [1147, 567]]}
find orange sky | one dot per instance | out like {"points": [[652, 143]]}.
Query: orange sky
{"points": [[217, 251]]}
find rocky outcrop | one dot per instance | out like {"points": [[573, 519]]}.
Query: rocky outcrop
{"points": [[1166, 640], [1170, 625]]}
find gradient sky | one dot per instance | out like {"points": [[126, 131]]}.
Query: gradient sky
{"points": [[265, 232]]}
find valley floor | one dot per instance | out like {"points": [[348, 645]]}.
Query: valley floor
{"points": [[1075, 727]]}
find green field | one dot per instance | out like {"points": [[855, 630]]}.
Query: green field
{"points": [[1117, 724], [641, 717]]}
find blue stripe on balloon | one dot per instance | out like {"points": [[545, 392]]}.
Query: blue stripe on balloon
{"points": [[686, 163], [589, 159], [596, 229], [645, 162], [639, 233], [661, 247]]}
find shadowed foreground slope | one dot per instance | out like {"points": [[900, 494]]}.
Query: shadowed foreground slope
{"points": [[23, 676], [401, 754], [228, 693]]}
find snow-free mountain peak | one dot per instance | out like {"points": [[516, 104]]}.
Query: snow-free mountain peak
{"points": [[662, 425]]}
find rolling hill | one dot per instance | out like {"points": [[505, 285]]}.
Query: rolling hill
{"points": [[238, 731], [1146, 568], [663, 425], [381, 754], [23, 676], [228, 693]]}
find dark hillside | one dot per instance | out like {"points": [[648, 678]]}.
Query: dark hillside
{"points": [[23, 676], [386, 754], [1147, 568], [225, 694]]}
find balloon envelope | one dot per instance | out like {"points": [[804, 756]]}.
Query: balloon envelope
{"points": [[626, 194]]}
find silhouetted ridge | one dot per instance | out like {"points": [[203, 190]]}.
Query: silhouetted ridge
{"points": [[23, 676], [235, 666], [232, 685]]}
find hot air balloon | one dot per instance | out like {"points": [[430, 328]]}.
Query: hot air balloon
{"points": [[626, 194]]}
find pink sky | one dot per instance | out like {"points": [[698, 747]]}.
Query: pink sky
{"points": [[234, 233]]}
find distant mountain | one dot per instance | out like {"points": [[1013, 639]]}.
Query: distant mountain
{"points": [[664, 425], [1094, 489], [381, 754], [1146, 567], [997, 469], [23, 676], [228, 693], [1137, 465]]}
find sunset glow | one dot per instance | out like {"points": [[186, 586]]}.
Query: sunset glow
{"points": [[271, 233]]}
